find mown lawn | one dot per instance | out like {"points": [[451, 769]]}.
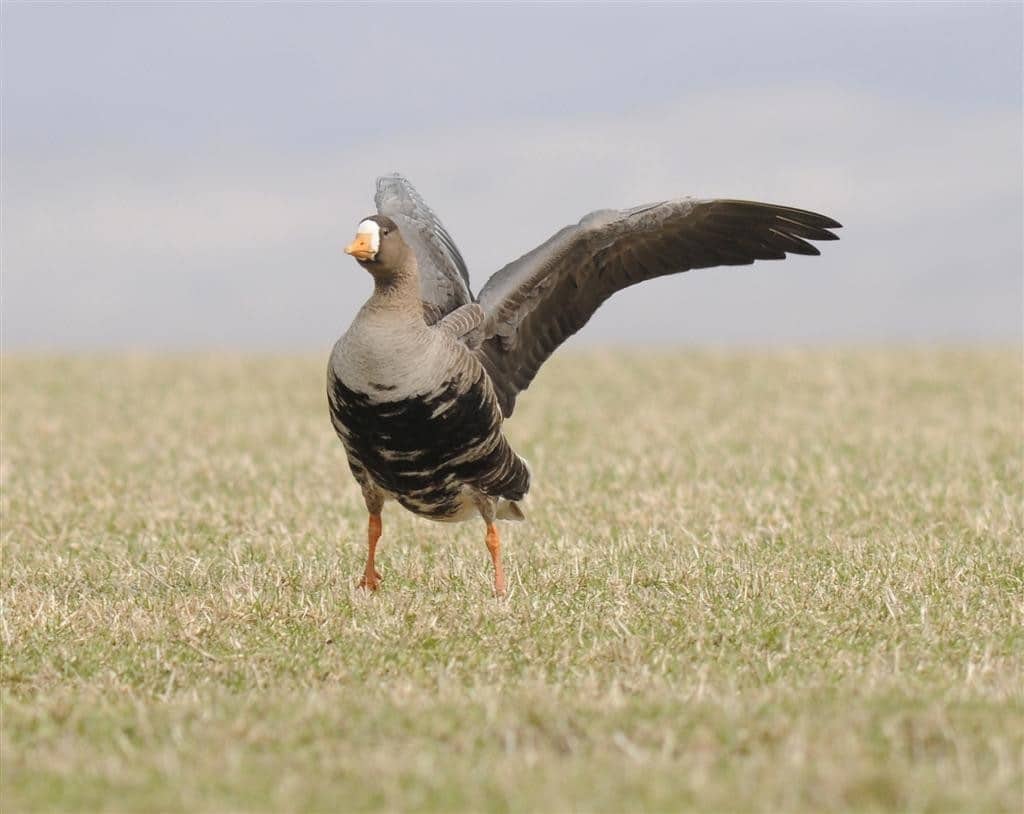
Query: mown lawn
{"points": [[786, 581]]}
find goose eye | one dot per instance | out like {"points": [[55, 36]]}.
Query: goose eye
{"points": [[384, 231]]}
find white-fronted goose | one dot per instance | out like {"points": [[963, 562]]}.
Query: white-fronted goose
{"points": [[420, 383]]}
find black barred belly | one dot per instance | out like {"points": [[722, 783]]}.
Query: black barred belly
{"points": [[424, 449]]}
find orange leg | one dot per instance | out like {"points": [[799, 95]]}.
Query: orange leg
{"points": [[371, 578], [494, 546]]}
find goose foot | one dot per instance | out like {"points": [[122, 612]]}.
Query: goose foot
{"points": [[371, 582]]}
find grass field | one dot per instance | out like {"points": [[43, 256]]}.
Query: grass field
{"points": [[787, 581]]}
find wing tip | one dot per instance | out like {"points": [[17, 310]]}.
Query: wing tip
{"points": [[816, 220], [384, 180]]}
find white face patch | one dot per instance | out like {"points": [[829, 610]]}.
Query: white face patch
{"points": [[371, 229]]}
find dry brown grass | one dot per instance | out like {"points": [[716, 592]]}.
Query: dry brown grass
{"points": [[786, 581]]}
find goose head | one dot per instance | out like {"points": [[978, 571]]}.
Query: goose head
{"points": [[379, 247]]}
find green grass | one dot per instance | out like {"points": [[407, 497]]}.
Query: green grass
{"points": [[789, 581]]}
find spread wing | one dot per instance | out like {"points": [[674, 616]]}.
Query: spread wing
{"points": [[535, 303], [444, 280]]}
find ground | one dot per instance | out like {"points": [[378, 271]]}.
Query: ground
{"points": [[750, 581]]}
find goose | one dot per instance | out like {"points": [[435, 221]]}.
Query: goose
{"points": [[420, 383]]}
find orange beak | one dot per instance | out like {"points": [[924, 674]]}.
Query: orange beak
{"points": [[360, 248]]}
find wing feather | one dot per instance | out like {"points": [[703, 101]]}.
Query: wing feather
{"points": [[535, 303], [444, 278]]}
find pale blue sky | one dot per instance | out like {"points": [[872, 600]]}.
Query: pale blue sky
{"points": [[185, 174]]}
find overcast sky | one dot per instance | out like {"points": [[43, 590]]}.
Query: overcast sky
{"points": [[185, 175]]}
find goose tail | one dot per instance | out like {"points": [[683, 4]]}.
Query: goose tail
{"points": [[509, 510]]}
